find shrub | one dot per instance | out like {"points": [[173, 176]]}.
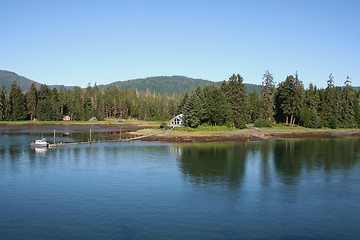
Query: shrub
{"points": [[240, 123], [262, 123], [163, 125], [333, 123]]}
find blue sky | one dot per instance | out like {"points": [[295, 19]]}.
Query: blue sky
{"points": [[81, 42]]}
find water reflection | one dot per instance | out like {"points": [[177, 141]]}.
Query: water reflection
{"points": [[286, 160], [40, 150], [293, 157], [215, 164], [165, 191]]}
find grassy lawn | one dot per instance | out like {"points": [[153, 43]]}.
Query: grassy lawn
{"points": [[274, 128], [56, 122], [106, 121], [286, 128], [205, 128], [155, 126]]}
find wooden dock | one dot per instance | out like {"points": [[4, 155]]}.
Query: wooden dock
{"points": [[91, 141]]}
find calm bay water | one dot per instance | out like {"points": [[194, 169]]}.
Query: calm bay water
{"points": [[280, 189]]}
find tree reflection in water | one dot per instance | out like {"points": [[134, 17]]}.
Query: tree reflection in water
{"points": [[285, 159], [222, 164]]}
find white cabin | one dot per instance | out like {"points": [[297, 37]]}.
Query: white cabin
{"points": [[177, 121]]}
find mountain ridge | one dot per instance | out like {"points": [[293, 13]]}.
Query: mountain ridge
{"points": [[170, 85], [8, 77]]}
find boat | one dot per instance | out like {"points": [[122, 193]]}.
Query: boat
{"points": [[40, 143]]}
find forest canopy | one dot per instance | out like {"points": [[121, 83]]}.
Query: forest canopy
{"points": [[229, 103]]}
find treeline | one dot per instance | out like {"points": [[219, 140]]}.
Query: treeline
{"points": [[228, 103], [290, 103], [81, 104]]}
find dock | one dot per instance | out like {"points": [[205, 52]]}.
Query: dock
{"points": [[61, 144]]}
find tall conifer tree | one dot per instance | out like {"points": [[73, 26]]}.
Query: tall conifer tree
{"points": [[4, 104], [237, 97], [17, 102], [289, 99], [267, 96], [31, 101]]}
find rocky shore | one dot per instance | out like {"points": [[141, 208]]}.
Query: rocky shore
{"points": [[136, 130], [245, 135]]}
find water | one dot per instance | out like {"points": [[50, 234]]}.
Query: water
{"points": [[280, 189]]}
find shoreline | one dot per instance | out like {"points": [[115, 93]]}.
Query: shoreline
{"points": [[148, 133], [243, 135]]}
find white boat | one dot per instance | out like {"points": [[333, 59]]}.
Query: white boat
{"points": [[39, 143]]}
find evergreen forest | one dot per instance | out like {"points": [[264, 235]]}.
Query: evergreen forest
{"points": [[229, 103]]}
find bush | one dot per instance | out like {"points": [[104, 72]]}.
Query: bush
{"points": [[333, 123], [262, 123], [240, 123], [163, 125]]}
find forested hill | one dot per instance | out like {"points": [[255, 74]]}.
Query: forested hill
{"points": [[7, 78], [163, 84], [171, 84]]}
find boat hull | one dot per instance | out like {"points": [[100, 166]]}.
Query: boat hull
{"points": [[38, 144]]}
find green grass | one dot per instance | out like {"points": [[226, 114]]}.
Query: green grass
{"points": [[278, 127], [205, 128], [106, 121], [57, 122]]}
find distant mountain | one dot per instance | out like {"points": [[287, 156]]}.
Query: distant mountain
{"points": [[253, 87], [7, 78], [163, 84], [171, 84]]}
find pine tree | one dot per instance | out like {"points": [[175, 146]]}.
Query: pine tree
{"points": [[63, 102], [217, 107], [256, 108], [4, 104], [329, 107], [55, 105], [357, 109], [77, 107], [44, 108], [96, 103], [17, 102], [309, 112], [237, 97], [180, 107], [194, 109], [87, 108], [347, 109], [267, 95], [289, 99], [31, 101]]}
